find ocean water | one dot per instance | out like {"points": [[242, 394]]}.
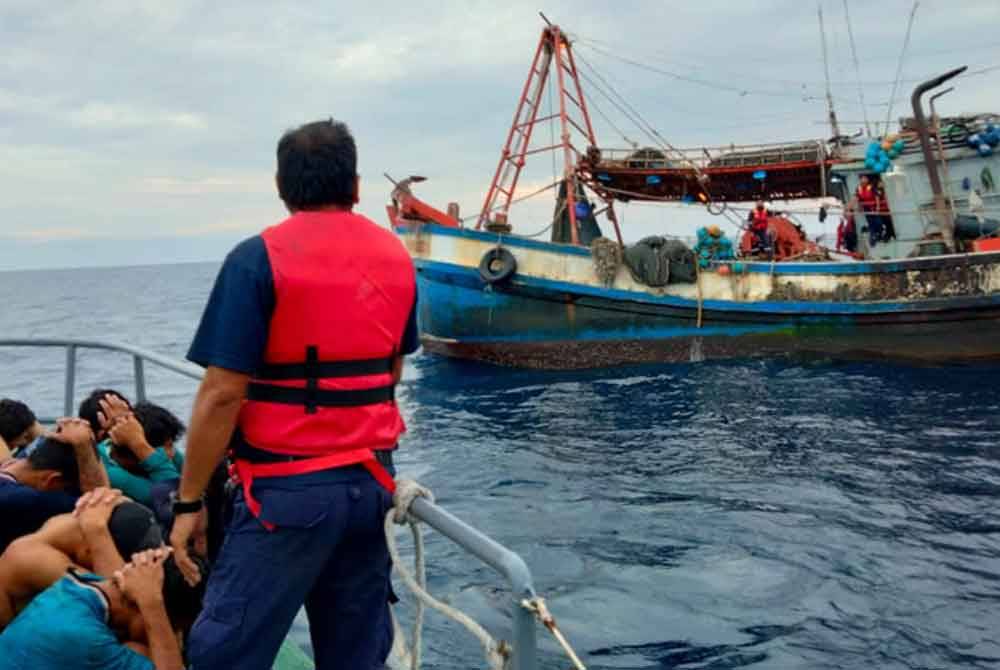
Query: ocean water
{"points": [[771, 514]]}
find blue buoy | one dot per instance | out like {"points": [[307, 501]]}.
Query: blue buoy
{"points": [[984, 150], [760, 175], [653, 180], [603, 176]]}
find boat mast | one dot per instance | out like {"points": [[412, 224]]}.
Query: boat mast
{"points": [[834, 126], [553, 47]]}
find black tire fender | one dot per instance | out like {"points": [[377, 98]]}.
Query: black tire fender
{"points": [[497, 266]]}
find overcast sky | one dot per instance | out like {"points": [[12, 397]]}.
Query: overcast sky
{"points": [[135, 131]]}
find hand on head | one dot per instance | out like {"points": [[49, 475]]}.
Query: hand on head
{"points": [[94, 509], [141, 580], [73, 431], [112, 408]]}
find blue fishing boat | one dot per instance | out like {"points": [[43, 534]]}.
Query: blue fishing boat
{"points": [[919, 281]]}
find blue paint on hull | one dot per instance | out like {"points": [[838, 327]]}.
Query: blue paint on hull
{"points": [[557, 324]]}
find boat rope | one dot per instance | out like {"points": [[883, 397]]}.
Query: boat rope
{"points": [[407, 490], [514, 201], [857, 69], [498, 652], [899, 67], [537, 607]]}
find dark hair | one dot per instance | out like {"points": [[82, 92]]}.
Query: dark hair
{"points": [[159, 424], [317, 166], [15, 418], [91, 406], [181, 600], [51, 454]]}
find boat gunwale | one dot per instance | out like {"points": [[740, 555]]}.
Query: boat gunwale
{"points": [[875, 266]]}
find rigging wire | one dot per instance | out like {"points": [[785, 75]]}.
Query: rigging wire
{"points": [[857, 67], [902, 58]]}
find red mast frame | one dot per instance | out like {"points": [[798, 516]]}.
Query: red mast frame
{"points": [[554, 48]]}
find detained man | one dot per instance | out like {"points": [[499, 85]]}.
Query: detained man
{"points": [[103, 530], [77, 623], [48, 481]]}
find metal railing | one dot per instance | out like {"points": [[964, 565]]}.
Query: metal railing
{"points": [[509, 564]]}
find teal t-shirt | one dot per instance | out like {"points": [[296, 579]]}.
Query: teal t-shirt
{"points": [[66, 628], [158, 468]]}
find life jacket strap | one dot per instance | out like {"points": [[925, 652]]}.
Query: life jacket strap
{"points": [[325, 369], [247, 472], [317, 397]]}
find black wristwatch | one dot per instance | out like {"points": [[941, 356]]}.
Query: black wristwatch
{"points": [[179, 506]]}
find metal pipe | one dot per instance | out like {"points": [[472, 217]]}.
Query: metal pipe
{"points": [[140, 379], [941, 209], [501, 559], [70, 385], [936, 122]]}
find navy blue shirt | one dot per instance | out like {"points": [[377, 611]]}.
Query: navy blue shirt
{"points": [[233, 329], [23, 510]]}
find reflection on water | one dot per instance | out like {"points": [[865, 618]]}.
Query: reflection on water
{"points": [[707, 515]]}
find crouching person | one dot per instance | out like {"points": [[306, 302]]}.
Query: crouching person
{"points": [[104, 528], [76, 623]]}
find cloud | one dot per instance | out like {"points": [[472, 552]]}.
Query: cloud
{"points": [[122, 115]]}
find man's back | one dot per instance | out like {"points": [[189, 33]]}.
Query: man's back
{"points": [[23, 510], [64, 628]]}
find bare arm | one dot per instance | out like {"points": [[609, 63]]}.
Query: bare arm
{"points": [[77, 433], [163, 647], [93, 511], [141, 581], [4, 451], [27, 568], [213, 420]]}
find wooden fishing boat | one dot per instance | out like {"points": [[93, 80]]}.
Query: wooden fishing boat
{"points": [[931, 292]]}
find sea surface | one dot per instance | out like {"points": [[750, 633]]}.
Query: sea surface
{"points": [[774, 514]]}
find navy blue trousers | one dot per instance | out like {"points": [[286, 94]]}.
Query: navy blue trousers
{"points": [[327, 552]]}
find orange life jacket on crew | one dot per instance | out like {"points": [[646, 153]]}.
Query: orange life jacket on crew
{"points": [[866, 195], [344, 288], [759, 219]]}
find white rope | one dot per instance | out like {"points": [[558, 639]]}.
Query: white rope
{"points": [[407, 491]]}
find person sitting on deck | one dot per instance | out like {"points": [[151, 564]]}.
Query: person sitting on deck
{"points": [[104, 528], [46, 482], [758, 219], [867, 199], [79, 622], [134, 458], [18, 427]]}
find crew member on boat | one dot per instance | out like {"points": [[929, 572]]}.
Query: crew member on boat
{"points": [[302, 339], [868, 200], [758, 224]]}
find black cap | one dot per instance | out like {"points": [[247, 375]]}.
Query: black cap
{"points": [[133, 528]]}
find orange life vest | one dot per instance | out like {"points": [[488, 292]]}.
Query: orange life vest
{"points": [[344, 288]]}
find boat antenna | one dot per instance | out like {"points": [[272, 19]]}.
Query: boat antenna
{"points": [[834, 128], [857, 69], [899, 67]]}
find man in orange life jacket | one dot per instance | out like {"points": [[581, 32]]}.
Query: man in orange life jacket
{"points": [[868, 200], [758, 225], [302, 339]]}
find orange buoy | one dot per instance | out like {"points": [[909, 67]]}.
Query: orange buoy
{"points": [[724, 270]]}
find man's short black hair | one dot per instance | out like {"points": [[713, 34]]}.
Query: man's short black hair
{"points": [[15, 418], [91, 406], [159, 424], [317, 166], [51, 454]]}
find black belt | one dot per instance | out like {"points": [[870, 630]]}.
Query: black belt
{"points": [[247, 453], [328, 369]]}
